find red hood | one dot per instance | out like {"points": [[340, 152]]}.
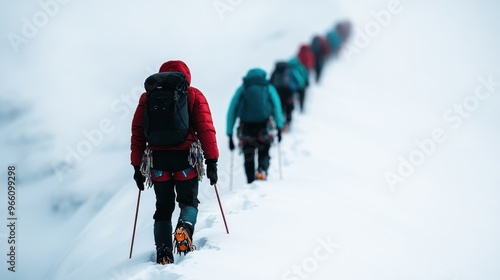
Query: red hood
{"points": [[305, 48], [176, 66]]}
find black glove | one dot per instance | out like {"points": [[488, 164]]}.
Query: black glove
{"points": [[279, 134], [139, 179], [231, 143], [212, 170]]}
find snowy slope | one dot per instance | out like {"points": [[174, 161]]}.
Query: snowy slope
{"points": [[333, 216]]}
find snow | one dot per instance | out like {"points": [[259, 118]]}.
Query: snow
{"points": [[75, 84]]}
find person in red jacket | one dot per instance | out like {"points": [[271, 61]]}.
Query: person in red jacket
{"points": [[306, 57], [172, 172]]}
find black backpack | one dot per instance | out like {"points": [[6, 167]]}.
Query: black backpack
{"points": [[281, 76], [166, 118], [316, 47]]}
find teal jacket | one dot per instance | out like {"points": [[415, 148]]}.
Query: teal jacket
{"points": [[334, 40], [299, 73], [232, 113]]}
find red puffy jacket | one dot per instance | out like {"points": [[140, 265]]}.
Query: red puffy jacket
{"points": [[202, 127], [306, 56]]}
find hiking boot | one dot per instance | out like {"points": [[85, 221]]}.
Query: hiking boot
{"points": [[261, 175], [183, 237], [164, 255]]}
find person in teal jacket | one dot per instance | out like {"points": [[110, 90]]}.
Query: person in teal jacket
{"points": [[299, 78], [257, 105], [334, 41]]}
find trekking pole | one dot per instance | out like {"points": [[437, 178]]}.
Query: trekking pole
{"points": [[231, 171], [279, 160], [135, 224], [221, 210]]}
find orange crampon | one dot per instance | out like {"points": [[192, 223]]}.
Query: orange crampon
{"points": [[183, 242]]}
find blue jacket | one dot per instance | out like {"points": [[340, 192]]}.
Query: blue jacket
{"points": [[232, 113], [298, 73], [334, 40]]}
